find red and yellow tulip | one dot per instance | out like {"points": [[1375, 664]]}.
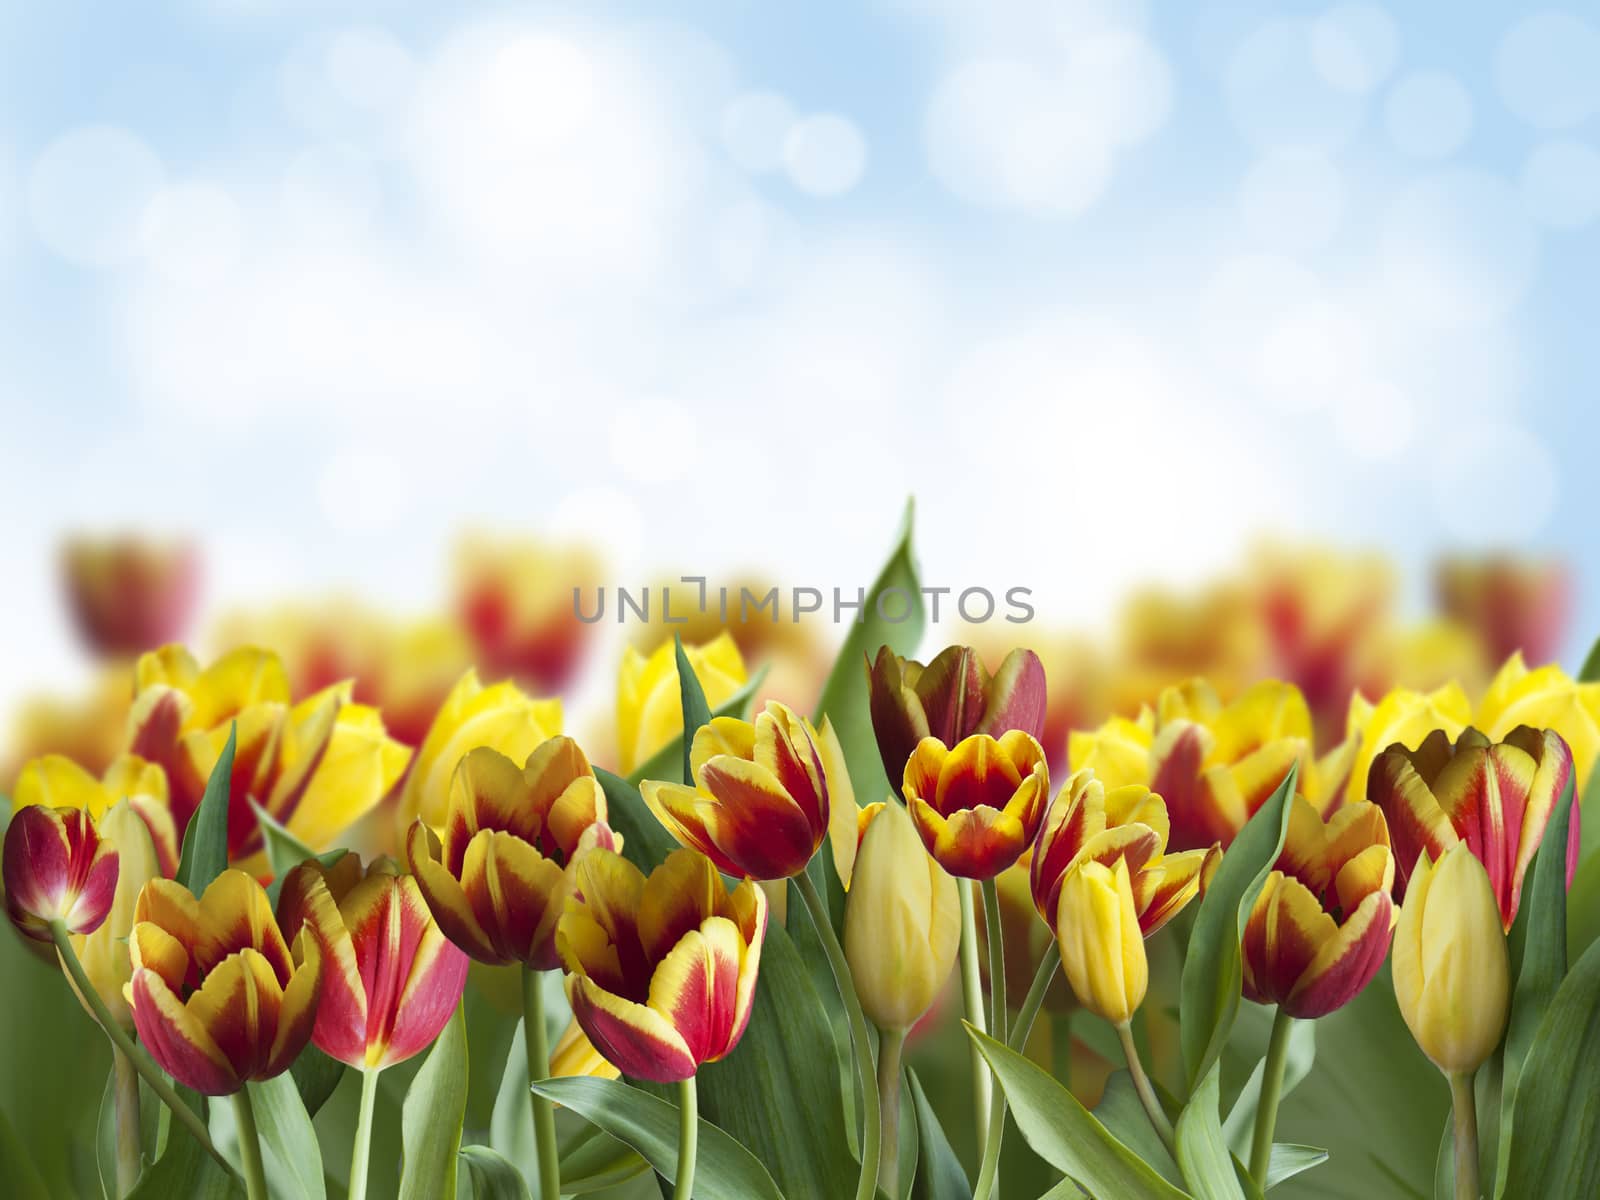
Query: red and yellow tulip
{"points": [[649, 699], [1495, 796], [497, 881], [216, 997], [977, 805], [1321, 925], [1514, 605], [662, 971], [129, 594], [55, 781], [760, 804], [57, 868], [391, 979]]}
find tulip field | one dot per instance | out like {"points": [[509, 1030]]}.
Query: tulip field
{"points": [[1271, 893]]}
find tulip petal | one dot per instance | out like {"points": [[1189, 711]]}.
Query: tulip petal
{"points": [[297, 1014], [177, 1039], [1286, 929], [680, 894], [1164, 888], [237, 915], [238, 1004], [1416, 823], [753, 821], [432, 990], [784, 747], [446, 899], [680, 811], [695, 987], [517, 895], [634, 1038], [1345, 963]]}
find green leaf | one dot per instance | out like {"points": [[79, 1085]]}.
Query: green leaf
{"points": [[666, 762], [844, 697], [105, 1139], [592, 1160], [1239, 1127], [435, 1106], [205, 842], [725, 1169], [1065, 1134], [692, 697], [186, 1170], [1203, 1154], [315, 1076], [285, 852], [289, 1148], [1122, 1113], [23, 1181], [1590, 672], [644, 842], [1289, 1160], [938, 1175], [1212, 970], [493, 1178], [1557, 1123]]}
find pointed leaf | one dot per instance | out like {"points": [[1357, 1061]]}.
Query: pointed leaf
{"points": [[1122, 1113], [315, 1076], [692, 697], [493, 1178], [938, 1175], [205, 843], [289, 1147], [435, 1106], [1289, 1160], [644, 842], [1203, 1154], [186, 1170], [1590, 673], [23, 1180], [285, 851]]}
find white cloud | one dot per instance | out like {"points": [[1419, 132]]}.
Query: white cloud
{"points": [[1560, 184], [1546, 69], [825, 154], [88, 192], [1277, 96], [1428, 114]]}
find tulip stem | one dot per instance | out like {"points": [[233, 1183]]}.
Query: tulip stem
{"points": [[363, 1148], [688, 1139], [1465, 1107], [972, 1001], [1271, 1093], [141, 1060], [244, 1116], [537, 1041], [997, 959], [860, 1036], [1042, 979], [128, 1132], [1142, 1085], [890, 1044]]}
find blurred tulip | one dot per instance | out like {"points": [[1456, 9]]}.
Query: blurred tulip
{"points": [[512, 838], [1515, 605], [216, 997], [902, 923], [104, 953], [1088, 822], [500, 716], [1546, 697], [979, 804], [391, 979], [129, 594], [1403, 716], [1452, 975], [90, 731], [1164, 638], [57, 782], [515, 597], [316, 766], [951, 698], [1320, 927], [1497, 797], [760, 804], [1102, 946], [650, 701], [662, 971], [57, 868]]}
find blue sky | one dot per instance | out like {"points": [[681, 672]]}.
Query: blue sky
{"points": [[1111, 286]]}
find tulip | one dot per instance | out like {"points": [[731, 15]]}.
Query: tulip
{"points": [[391, 978], [977, 805], [58, 871], [315, 766], [951, 698], [1403, 715], [104, 952], [55, 781], [87, 729], [1515, 606], [574, 1055], [1546, 697], [129, 594], [500, 716], [760, 804], [649, 698], [515, 597]]}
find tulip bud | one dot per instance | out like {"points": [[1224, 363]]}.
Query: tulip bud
{"points": [[977, 804], [57, 868], [104, 953], [1102, 946], [902, 922], [1452, 976]]}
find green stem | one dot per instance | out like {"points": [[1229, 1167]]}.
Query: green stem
{"points": [[1141, 1084], [363, 1148], [1271, 1093], [997, 959], [972, 1001], [688, 1139], [890, 1044], [1042, 979], [859, 1034], [1466, 1140], [141, 1060], [537, 1042], [989, 1168], [128, 1132], [244, 1116]]}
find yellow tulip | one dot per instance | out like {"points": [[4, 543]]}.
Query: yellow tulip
{"points": [[1403, 716], [1102, 946], [1545, 698], [649, 703], [1452, 977], [902, 922]]}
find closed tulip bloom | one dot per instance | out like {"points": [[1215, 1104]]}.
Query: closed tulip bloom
{"points": [[661, 971], [129, 594], [1320, 928], [951, 698], [1088, 822], [57, 868], [902, 922], [1102, 946], [216, 996], [1452, 975], [391, 979], [55, 781], [759, 806], [1496, 797], [500, 877], [104, 953], [977, 805], [649, 697]]}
